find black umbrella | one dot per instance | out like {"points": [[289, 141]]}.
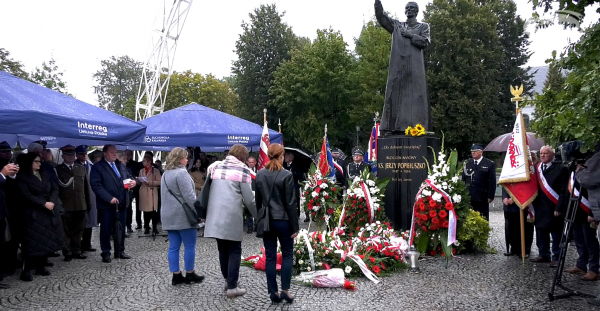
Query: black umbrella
{"points": [[301, 158]]}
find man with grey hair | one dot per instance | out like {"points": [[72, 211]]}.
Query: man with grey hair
{"points": [[550, 205], [35, 148]]}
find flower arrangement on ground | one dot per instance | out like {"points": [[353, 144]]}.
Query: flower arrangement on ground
{"points": [[320, 198], [441, 204], [363, 203]]}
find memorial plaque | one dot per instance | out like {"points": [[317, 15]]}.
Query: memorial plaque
{"points": [[402, 160]]}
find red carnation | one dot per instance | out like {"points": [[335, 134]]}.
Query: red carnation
{"points": [[354, 196], [360, 200], [361, 256], [330, 211], [432, 214], [310, 207], [445, 224], [354, 201], [424, 217], [376, 269], [333, 189], [449, 206], [327, 197], [424, 229], [371, 259], [313, 213], [382, 265], [422, 207], [333, 201], [433, 227], [432, 253], [319, 182], [396, 257], [435, 221], [443, 213], [318, 190], [432, 203], [311, 201]]}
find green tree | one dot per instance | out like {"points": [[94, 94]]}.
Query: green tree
{"points": [[514, 41], [261, 48], [12, 66], [188, 87], [117, 84], [463, 63], [49, 76], [552, 6], [555, 80], [573, 111], [313, 89]]}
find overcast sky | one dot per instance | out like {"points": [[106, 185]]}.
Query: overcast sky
{"points": [[79, 34]]}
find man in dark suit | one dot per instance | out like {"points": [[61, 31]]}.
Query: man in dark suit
{"points": [[289, 165], [8, 171], [356, 167], [107, 179], [75, 197], [550, 206], [249, 220], [480, 175], [135, 168]]}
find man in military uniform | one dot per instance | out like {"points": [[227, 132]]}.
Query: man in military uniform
{"points": [[358, 166], [480, 175], [340, 169], [92, 214], [74, 194]]}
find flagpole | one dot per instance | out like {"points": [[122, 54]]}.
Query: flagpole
{"points": [[516, 92], [265, 115], [279, 126]]}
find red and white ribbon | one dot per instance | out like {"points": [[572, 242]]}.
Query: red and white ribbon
{"points": [[550, 193], [363, 267], [584, 204], [369, 201]]}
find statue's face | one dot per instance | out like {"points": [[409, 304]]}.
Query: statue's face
{"points": [[411, 10]]}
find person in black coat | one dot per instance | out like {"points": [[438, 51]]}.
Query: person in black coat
{"points": [[480, 175], [512, 221], [275, 192], [134, 167], [43, 228], [289, 165], [8, 172], [340, 169], [112, 199], [549, 206]]}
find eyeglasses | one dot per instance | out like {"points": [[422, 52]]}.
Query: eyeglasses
{"points": [[37, 161]]}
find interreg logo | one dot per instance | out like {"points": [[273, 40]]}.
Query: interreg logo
{"points": [[234, 139], [156, 139], [88, 129]]}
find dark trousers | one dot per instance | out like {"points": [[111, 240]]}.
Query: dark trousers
{"points": [[150, 216], [230, 257], [513, 232], [138, 214], [282, 231], [86, 239], [587, 246], [543, 242], [108, 218], [73, 224], [249, 222], [483, 207]]}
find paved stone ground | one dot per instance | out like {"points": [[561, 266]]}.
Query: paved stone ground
{"points": [[471, 282]]}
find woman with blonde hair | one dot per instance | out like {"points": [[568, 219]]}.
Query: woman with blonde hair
{"points": [[275, 196], [177, 188], [230, 189]]}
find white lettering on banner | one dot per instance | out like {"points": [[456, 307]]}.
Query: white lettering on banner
{"points": [[156, 139], [88, 129], [234, 139]]}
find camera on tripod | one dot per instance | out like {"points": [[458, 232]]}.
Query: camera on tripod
{"points": [[571, 155]]}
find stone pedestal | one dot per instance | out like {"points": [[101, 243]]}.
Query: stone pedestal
{"points": [[402, 159]]}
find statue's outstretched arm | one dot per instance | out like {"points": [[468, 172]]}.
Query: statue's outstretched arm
{"points": [[384, 20]]}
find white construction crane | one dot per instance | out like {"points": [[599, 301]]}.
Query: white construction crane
{"points": [[158, 67]]}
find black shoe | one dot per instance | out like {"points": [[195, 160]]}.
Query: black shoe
{"points": [[138, 227], [123, 256], [155, 232], [275, 298], [106, 259], [54, 255], [192, 277], [49, 263], [79, 256], [178, 279], [26, 276], [147, 231], [129, 230], [509, 254], [286, 297], [68, 258], [306, 219], [249, 230], [42, 271]]}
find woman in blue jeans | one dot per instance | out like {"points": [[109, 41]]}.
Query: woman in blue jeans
{"points": [[275, 193], [177, 187]]}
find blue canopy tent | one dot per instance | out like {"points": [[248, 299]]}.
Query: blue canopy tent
{"points": [[195, 125], [31, 112]]}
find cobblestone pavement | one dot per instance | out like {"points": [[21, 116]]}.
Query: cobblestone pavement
{"points": [[471, 282]]}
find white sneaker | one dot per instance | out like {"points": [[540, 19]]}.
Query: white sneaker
{"points": [[238, 291]]}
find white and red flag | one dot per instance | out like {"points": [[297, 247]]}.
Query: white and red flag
{"points": [[265, 142], [518, 174]]}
